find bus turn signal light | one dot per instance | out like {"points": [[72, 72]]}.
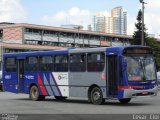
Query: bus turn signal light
{"points": [[129, 87]]}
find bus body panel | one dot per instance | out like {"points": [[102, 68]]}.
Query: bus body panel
{"points": [[29, 78], [61, 82], [81, 81], [49, 83], [33, 78], [10, 82]]}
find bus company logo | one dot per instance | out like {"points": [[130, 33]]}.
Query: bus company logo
{"points": [[62, 76], [59, 77], [30, 77]]}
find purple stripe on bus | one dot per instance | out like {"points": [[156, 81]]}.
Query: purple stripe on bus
{"points": [[48, 88], [56, 85]]}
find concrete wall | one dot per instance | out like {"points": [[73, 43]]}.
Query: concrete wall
{"points": [[12, 35]]}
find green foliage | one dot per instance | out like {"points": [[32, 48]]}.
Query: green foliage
{"points": [[156, 48], [137, 35], [149, 41]]}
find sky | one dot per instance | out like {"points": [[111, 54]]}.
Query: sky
{"points": [[60, 12]]}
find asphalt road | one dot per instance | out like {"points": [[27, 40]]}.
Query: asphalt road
{"points": [[21, 104]]}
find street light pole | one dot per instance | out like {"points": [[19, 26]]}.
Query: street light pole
{"points": [[142, 37], [142, 23], [78, 28]]}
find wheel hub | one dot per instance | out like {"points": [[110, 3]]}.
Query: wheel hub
{"points": [[96, 95], [34, 93]]}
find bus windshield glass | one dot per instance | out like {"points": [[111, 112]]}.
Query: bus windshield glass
{"points": [[140, 67]]}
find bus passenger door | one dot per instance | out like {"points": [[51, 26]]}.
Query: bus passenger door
{"points": [[20, 75], [112, 79]]}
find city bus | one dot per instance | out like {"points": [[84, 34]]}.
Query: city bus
{"points": [[97, 74]]}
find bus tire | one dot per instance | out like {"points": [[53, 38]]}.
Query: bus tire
{"points": [[34, 94], [97, 96], [125, 101], [60, 98]]}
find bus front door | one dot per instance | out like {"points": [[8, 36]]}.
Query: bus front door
{"points": [[20, 75], [112, 81]]}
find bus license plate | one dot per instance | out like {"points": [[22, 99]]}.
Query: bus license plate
{"points": [[144, 93]]}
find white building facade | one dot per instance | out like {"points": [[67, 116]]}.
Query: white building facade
{"points": [[117, 23], [99, 22]]}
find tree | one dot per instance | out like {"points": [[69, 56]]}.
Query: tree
{"points": [[138, 33], [156, 49]]}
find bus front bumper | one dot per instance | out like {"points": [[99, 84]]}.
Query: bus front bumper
{"points": [[130, 93]]}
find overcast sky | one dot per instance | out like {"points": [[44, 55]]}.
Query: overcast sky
{"points": [[58, 12]]}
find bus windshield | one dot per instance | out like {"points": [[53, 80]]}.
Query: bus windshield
{"points": [[140, 67]]}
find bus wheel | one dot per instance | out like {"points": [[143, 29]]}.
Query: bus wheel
{"points": [[125, 101], [34, 93], [97, 96], [60, 98]]}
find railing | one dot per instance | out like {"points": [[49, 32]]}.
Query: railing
{"points": [[32, 36], [66, 40], [50, 38]]}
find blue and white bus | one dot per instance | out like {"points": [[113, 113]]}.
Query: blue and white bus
{"points": [[95, 73]]}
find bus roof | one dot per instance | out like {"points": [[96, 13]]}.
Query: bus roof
{"points": [[76, 50], [36, 53]]}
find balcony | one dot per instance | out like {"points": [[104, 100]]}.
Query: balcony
{"points": [[50, 38], [66, 40], [94, 42], [29, 36]]}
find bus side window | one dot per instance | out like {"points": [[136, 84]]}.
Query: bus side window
{"points": [[46, 63], [95, 62], [32, 64], [10, 64], [61, 63], [78, 63]]}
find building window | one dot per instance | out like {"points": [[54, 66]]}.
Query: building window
{"points": [[50, 33], [78, 63], [46, 63], [95, 62], [32, 64], [31, 42], [33, 31], [11, 65], [6, 50], [61, 63]]}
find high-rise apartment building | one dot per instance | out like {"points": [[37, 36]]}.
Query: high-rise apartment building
{"points": [[124, 26], [117, 23], [99, 23], [109, 25]]}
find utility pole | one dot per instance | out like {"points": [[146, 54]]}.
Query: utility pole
{"points": [[78, 28], [142, 37]]}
